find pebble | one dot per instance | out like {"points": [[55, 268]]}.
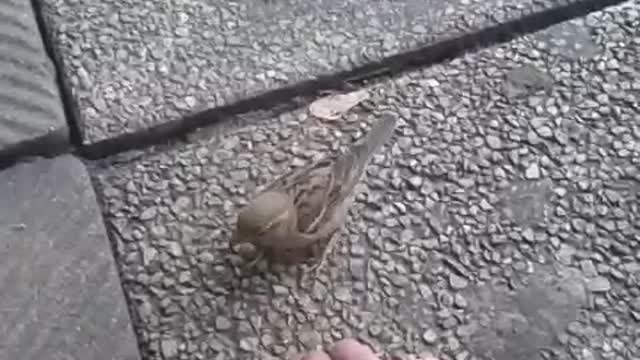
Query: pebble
{"points": [[148, 253], [415, 182], [574, 328], [148, 213], [532, 172], [545, 132], [430, 337], [528, 234], [175, 249], [169, 348], [184, 277], [494, 142], [587, 354], [343, 294], [445, 299], [460, 301], [375, 329], [453, 343], [449, 323], [280, 290], [222, 323], [248, 344], [599, 284], [457, 282], [310, 339], [617, 345], [588, 268]]}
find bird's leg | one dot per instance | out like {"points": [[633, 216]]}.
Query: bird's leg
{"points": [[322, 258]]}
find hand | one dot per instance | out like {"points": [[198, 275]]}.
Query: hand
{"points": [[347, 349]]}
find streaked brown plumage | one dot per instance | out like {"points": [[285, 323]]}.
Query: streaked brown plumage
{"points": [[309, 205]]}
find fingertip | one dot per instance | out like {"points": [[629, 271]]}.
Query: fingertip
{"points": [[348, 349]]}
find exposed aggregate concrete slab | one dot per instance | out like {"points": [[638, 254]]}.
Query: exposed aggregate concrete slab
{"points": [[133, 65], [501, 221]]}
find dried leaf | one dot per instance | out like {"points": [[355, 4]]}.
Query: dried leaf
{"points": [[332, 107]]}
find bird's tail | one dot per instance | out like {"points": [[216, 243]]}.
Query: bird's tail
{"points": [[350, 166], [378, 136]]}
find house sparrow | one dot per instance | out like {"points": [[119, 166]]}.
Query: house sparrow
{"points": [[307, 206]]}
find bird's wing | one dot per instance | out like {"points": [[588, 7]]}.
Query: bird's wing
{"points": [[341, 174], [349, 167], [321, 188]]}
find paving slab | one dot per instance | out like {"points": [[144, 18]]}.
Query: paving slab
{"points": [[32, 120], [135, 66], [60, 294], [500, 222]]}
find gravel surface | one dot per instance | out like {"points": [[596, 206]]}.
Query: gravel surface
{"points": [[500, 221], [135, 64]]}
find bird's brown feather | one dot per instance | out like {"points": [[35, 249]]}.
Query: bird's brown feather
{"points": [[322, 188]]}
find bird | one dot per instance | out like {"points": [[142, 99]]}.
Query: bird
{"points": [[306, 206]]}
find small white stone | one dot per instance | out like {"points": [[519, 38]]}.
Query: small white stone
{"points": [[532, 172]]}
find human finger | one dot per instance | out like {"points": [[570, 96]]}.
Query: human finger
{"points": [[350, 349]]}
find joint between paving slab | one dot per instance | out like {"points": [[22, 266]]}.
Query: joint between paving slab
{"points": [[70, 108], [14, 155], [175, 131], [110, 230]]}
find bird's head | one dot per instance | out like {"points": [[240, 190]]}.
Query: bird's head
{"points": [[263, 221]]}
